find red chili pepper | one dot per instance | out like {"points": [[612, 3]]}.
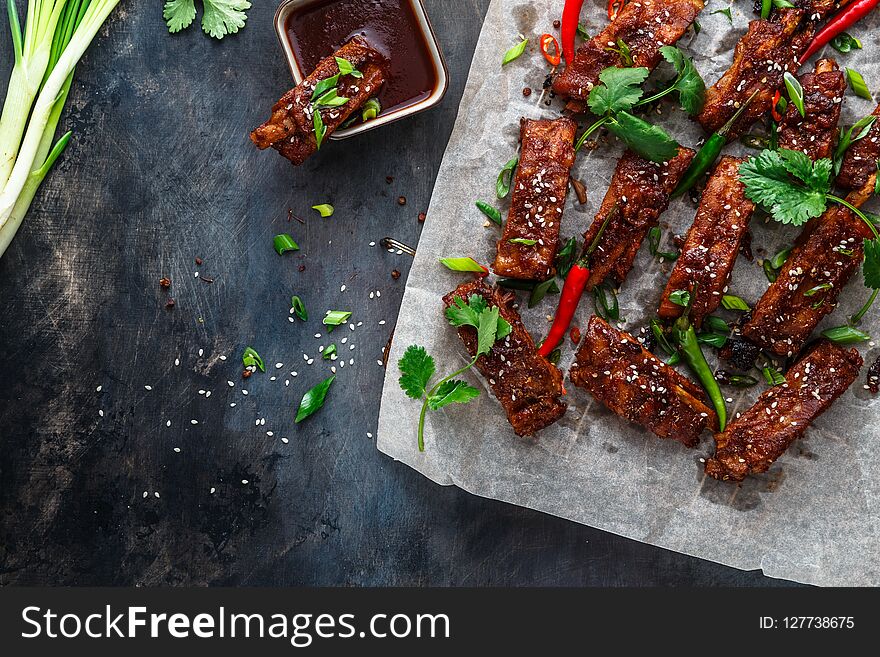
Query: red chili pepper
{"points": [[571, 14], [572, 290], [773, 111], [614, 8], [847, 17], [546, 41]]}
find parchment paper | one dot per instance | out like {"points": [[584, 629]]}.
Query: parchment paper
{"points": [[812, 518]]}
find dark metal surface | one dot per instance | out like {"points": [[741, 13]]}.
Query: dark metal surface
{"points": [[161, 172]]}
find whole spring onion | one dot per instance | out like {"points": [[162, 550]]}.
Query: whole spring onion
{"points": [[56, 35]]}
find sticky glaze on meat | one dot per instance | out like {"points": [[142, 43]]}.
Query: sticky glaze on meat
{"points": [[644, 25], [711, 245], [761, 57], [538, 197], [859, 168], [638, 195], [528, 386], [816, 132], [752, 442], [291, 131], [614, 367], [785, 316]]}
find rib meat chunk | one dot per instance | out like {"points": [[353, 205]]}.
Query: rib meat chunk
{"points": [[712, 244], [816, 132], [538, 197], [291, 128], [613, 367], [644, 26], [752, 442], [528, 386], [638, 195]]}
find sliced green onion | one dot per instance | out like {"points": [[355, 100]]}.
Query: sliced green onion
{"points": [[324, 209], [370, 110], [795, 92], [772, 376], [489, 211], [654, 236], [299, 308], [334, 318], [284, 243], [505, 178], [779, 259], [250, 358], [320, 129], [844, 42], [330, 99], [566, 257], [329, 352], [726, 12], [717, 340], [313, 400], [541, 290], [582, 31], [716, 324], [783, 4], [858, 85], [607, 310], [815, 290], [845, 335], [733, 302], [463, 264], [661, 338], [741, 380], [514, 52], [680, 298], [346, 68], [523, 241]]}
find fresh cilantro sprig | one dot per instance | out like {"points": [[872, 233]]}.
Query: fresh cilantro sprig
{"points": [[793, 189], [417, 367], [219, 18], [619, 91]]}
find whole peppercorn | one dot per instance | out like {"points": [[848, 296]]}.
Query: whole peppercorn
{"points": [[198, 261], [169, 304], [556, 24], [245, 374], [527, 91], [401, 200], [395, 274], [301, 268], [165, 282], [422, 217]]}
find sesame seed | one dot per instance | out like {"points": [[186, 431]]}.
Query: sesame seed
{"points": [[193, 421], [98, 389], [148, 387]]}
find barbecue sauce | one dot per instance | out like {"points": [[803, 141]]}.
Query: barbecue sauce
{"points": [[317, 29]]}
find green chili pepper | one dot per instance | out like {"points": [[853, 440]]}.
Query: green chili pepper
{"points": [[709, 152], [689, 348]]}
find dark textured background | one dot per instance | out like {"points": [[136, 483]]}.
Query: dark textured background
{"points": [[160, 172]]}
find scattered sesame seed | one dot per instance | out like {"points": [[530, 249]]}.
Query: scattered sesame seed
{"points": [[369, 435], [193, 421], [177, 449], [342, 289], [176, 362], [101, 413], [157, 495], [245, 482], [148, 387], [98, 389], [244, 392], [285, 440], [168, 423], [222, 357], [212, 490], [201, 352], [145, 494]]}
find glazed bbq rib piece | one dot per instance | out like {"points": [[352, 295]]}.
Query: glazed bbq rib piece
{"points": [[614, 367], [815, 133], [809, 283], [859, 168], [638, 195], [711, 245], [291, 128], [761, 57], [752, 442], [644, 26], [528, 386], [537, 200]]}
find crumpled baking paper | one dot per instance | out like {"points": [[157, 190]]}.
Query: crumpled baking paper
{"points": [[812, 518]]}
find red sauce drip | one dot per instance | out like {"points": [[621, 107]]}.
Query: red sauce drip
{"points": [[319, 28]]}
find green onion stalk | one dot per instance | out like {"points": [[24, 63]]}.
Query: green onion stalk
{"points": [[73, 29]]}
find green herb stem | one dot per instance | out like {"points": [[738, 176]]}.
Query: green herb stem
{"points": [[856, 211], [598, 124], [431, 392], [857, 318]]}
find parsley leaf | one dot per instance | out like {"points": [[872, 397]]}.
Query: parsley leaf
{"points": [[690, 86], [219, 18], [787, 184], [648, 140], [416, 368], [179, 14], [871, 265], [452, 392], [619, 89]]}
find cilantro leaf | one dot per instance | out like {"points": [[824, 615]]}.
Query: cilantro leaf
{"points": [[179, 14], [619, 89], [650, 141], [690, 86], [463, 313], [452, 392], [222, 17], [487, 330], [417, 368], [871, 265], [768, 181]]}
